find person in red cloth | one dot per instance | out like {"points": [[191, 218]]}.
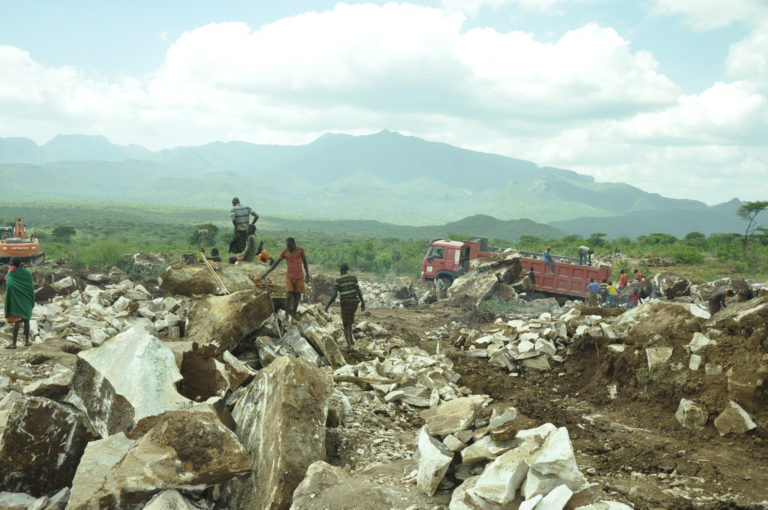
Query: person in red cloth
{"points": [[294, 276], [19, 299]]}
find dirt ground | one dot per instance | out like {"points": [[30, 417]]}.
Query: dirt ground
{"points": [[631, 445]]}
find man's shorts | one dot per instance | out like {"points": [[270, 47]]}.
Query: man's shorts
{"points": [[294, 285]]}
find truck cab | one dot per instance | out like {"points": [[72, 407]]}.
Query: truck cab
{"points": [[447, 260]]}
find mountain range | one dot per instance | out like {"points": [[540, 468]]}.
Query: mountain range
{"points": [[385, 177]]}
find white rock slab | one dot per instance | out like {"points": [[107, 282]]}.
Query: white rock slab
{"points": [[556, 499], [128, 378], [734, 419], [434, 459], [504, 476], [658, 356], [691, 415]]}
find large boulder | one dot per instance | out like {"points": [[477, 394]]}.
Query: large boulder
{"points": [[129, 377], [471, 289], [671, 285], [743, 319], [218, 323], [281, 420], [321, 289], [676, 321], [41, 442], [453, 416], [402, 287], [182, 450], [55, 387], [739, 285], [323, 342], [207, 374], [198, 279]]}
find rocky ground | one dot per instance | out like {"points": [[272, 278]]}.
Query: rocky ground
{"points": [[182, 395]]}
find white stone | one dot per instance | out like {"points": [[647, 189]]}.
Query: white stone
{"points": [[691, 415], [607, 331], [169, 500], [504, 476], [617, 347], [556, 457], [658, 356], [129, 377], [525, 346], [605, 505], [539, 433], [545, 347], [699, 342], [453, 443], [531, 504], [434, 459], [556, 499], [734, 419], [712, 369], [695, 362]]}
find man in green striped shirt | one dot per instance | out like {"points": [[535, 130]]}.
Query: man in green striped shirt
{"points": [[350, 297]]}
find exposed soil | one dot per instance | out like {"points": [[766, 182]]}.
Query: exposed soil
{"points": [[631, 445]]}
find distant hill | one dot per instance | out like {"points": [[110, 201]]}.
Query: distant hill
{"points": [[89, 216], [678, 222], [385, 177]]}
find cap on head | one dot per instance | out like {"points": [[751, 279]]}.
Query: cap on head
{"points": [[549, 247]]}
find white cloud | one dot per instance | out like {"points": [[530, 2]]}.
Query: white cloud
{"points": [[709, 14], [748, 59], [586, 101]]}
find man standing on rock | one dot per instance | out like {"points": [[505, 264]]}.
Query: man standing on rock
{"points": [[240, 214], [350, 296], [19, 299], [585, 256], [717, 300], [294, 276]]}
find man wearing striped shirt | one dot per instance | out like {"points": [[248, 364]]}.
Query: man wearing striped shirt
{"points": [[294, 276], [350, 297], [240, 214]]}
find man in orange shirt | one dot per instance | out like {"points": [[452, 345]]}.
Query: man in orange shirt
{"points": [[294, 276]]}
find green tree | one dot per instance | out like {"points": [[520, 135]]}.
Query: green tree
{"points": [[695, 235], [212, 231], [749, 211], [596, 239], [63, 234]]}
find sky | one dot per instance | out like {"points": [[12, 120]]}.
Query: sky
{"points": [[670, 96]]}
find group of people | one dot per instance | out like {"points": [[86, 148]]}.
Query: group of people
{"points": [[244, 248]]}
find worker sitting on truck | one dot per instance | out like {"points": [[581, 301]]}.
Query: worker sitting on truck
{"points": [[585, 256], [548, 258]]}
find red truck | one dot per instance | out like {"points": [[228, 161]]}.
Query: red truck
{"points": [[447, 260]]}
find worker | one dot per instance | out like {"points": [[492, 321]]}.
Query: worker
{"points": [[585, 256], [622, 279], [215, 257], [250, 249], [350, 296], [530, 284], [240, 214], [611, 288], [19, 299], [638, 275], [294, 276], [593, 292], [634, 298], [548, 258], [717, 299]]}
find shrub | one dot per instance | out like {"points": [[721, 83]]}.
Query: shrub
{"points": [[106, 253]]}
